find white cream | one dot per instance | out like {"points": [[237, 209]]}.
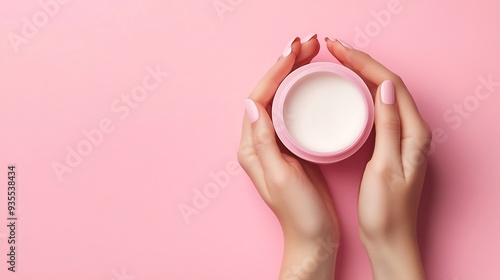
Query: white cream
{"points": [[324, 112]]}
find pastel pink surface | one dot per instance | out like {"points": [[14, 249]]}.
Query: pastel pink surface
{"points": [[117, 212]]}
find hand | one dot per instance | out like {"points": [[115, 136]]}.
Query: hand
{"points": [[293, 189], [393, 178]]}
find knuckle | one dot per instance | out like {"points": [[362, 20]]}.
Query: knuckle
{"points": [[387, 170], [393, 125], [415, 158], [396, 79], [292, 160], [244, 154], [261, 139], [424, 134], [349, 56], [278, 180], [378, 168], [241, 156], [362, 55], [421, 147], [359, 58], [427, 131]]}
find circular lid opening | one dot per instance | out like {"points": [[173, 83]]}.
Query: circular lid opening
{"points": [[324, 112]]}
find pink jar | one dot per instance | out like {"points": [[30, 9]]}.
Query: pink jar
{"points": [[323, 112]]}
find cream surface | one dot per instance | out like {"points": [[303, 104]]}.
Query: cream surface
{"points": [[324, 112]]}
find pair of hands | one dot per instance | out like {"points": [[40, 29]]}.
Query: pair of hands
{"points": [[297, 193]]}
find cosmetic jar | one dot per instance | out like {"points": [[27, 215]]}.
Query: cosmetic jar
{"points": [[323, 112]]}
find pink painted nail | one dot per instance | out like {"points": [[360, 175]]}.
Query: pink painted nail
{"points": [[308, 38], [328, 39], [387, 92], [252, 110], [288, 48], [345, 44]]}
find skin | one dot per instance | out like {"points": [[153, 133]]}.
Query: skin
{"points": [[297, 193]]}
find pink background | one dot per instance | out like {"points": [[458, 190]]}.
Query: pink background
{"points": [[116, 215]]}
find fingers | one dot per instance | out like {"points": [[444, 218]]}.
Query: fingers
{"points": [[374, 72], [415, 133], [309, 49], [361, 63], [249, 160], [267, 86], [387, 126], [264, 141], [263, 93]]}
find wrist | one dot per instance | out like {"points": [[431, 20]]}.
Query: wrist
{"points": [[395, 258], [309, 258]]}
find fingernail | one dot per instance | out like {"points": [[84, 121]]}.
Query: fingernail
{"points": [[288, 48], [328, 39], [308, 38], [252, 110], [387, 92], [345, 44]]}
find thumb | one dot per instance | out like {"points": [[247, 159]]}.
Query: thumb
{"points": [[387, 125], [264, 139]]}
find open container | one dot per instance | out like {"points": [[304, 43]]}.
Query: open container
{"points": [[323, 112]]}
